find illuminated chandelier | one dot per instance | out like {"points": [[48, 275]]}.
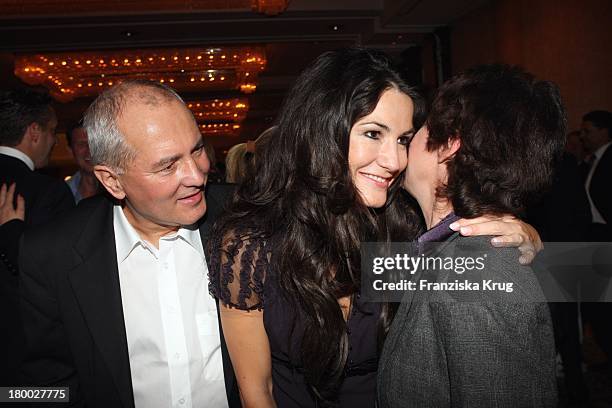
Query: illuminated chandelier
{"points": [[234, 110], [219, 128], [70, 75], [219, 115]]}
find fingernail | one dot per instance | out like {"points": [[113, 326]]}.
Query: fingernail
{"points": [[466, 230], [454, 226]]}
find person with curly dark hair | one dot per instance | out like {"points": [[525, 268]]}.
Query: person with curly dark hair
{"points": [[488, 147], [285, 259]]}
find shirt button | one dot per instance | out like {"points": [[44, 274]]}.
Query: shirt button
{"points": [[182, 401]]}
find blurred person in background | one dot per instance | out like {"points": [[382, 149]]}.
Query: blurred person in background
{"points": [[237, 162], [27, 137], [596, 135], [215, 175], [575, 147], [27, 199], [83, 183]]}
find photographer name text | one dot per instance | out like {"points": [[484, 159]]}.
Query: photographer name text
{"points": [[456, 285]]}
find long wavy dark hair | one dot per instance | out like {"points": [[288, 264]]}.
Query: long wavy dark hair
{"points": [[301, 190]]}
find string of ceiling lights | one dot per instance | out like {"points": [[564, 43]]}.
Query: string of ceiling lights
{"points": [[71, 75]]}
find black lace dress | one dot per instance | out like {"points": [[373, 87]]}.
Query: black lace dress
{"points": [[241, 276]]}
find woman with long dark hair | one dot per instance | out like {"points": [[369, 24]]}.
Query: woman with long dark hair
{"points": [[285, 262]]}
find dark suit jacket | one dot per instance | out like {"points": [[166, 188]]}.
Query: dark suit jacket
{"points": [[72, 310], [566, 200], [601, 192], [471, 349], [45, 198]]}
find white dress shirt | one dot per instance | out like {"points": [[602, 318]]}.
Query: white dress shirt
{"points": [[597, 217], [18, 154], [170, 319]]}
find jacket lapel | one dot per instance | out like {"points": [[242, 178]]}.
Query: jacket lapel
{"points": [[96, 286]]}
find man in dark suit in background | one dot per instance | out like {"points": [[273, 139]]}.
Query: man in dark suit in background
{"points": [[566, 200], [27, 136], [596, 133], [116, 303]]}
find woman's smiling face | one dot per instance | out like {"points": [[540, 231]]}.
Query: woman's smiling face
{"points": [[378, 146]]}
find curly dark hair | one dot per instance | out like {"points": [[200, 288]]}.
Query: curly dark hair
{"points": [[512, 130], [301, 191], [18, 110]]}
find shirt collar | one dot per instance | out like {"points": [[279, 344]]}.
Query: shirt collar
{"points": [[127, 237], [441, 231], [73, 183], [18, 154], [191, 235]]}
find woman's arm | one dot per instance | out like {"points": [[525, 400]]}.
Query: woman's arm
{"points": [[249, 349], [509, 231], [238, 267]]}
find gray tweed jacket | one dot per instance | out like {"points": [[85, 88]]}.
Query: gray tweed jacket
{"points": [[471, 348]]}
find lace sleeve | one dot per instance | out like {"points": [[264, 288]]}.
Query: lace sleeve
{"points": [[237, 270]]}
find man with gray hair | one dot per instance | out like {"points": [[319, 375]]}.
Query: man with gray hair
{"points": [[116, 302]]}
